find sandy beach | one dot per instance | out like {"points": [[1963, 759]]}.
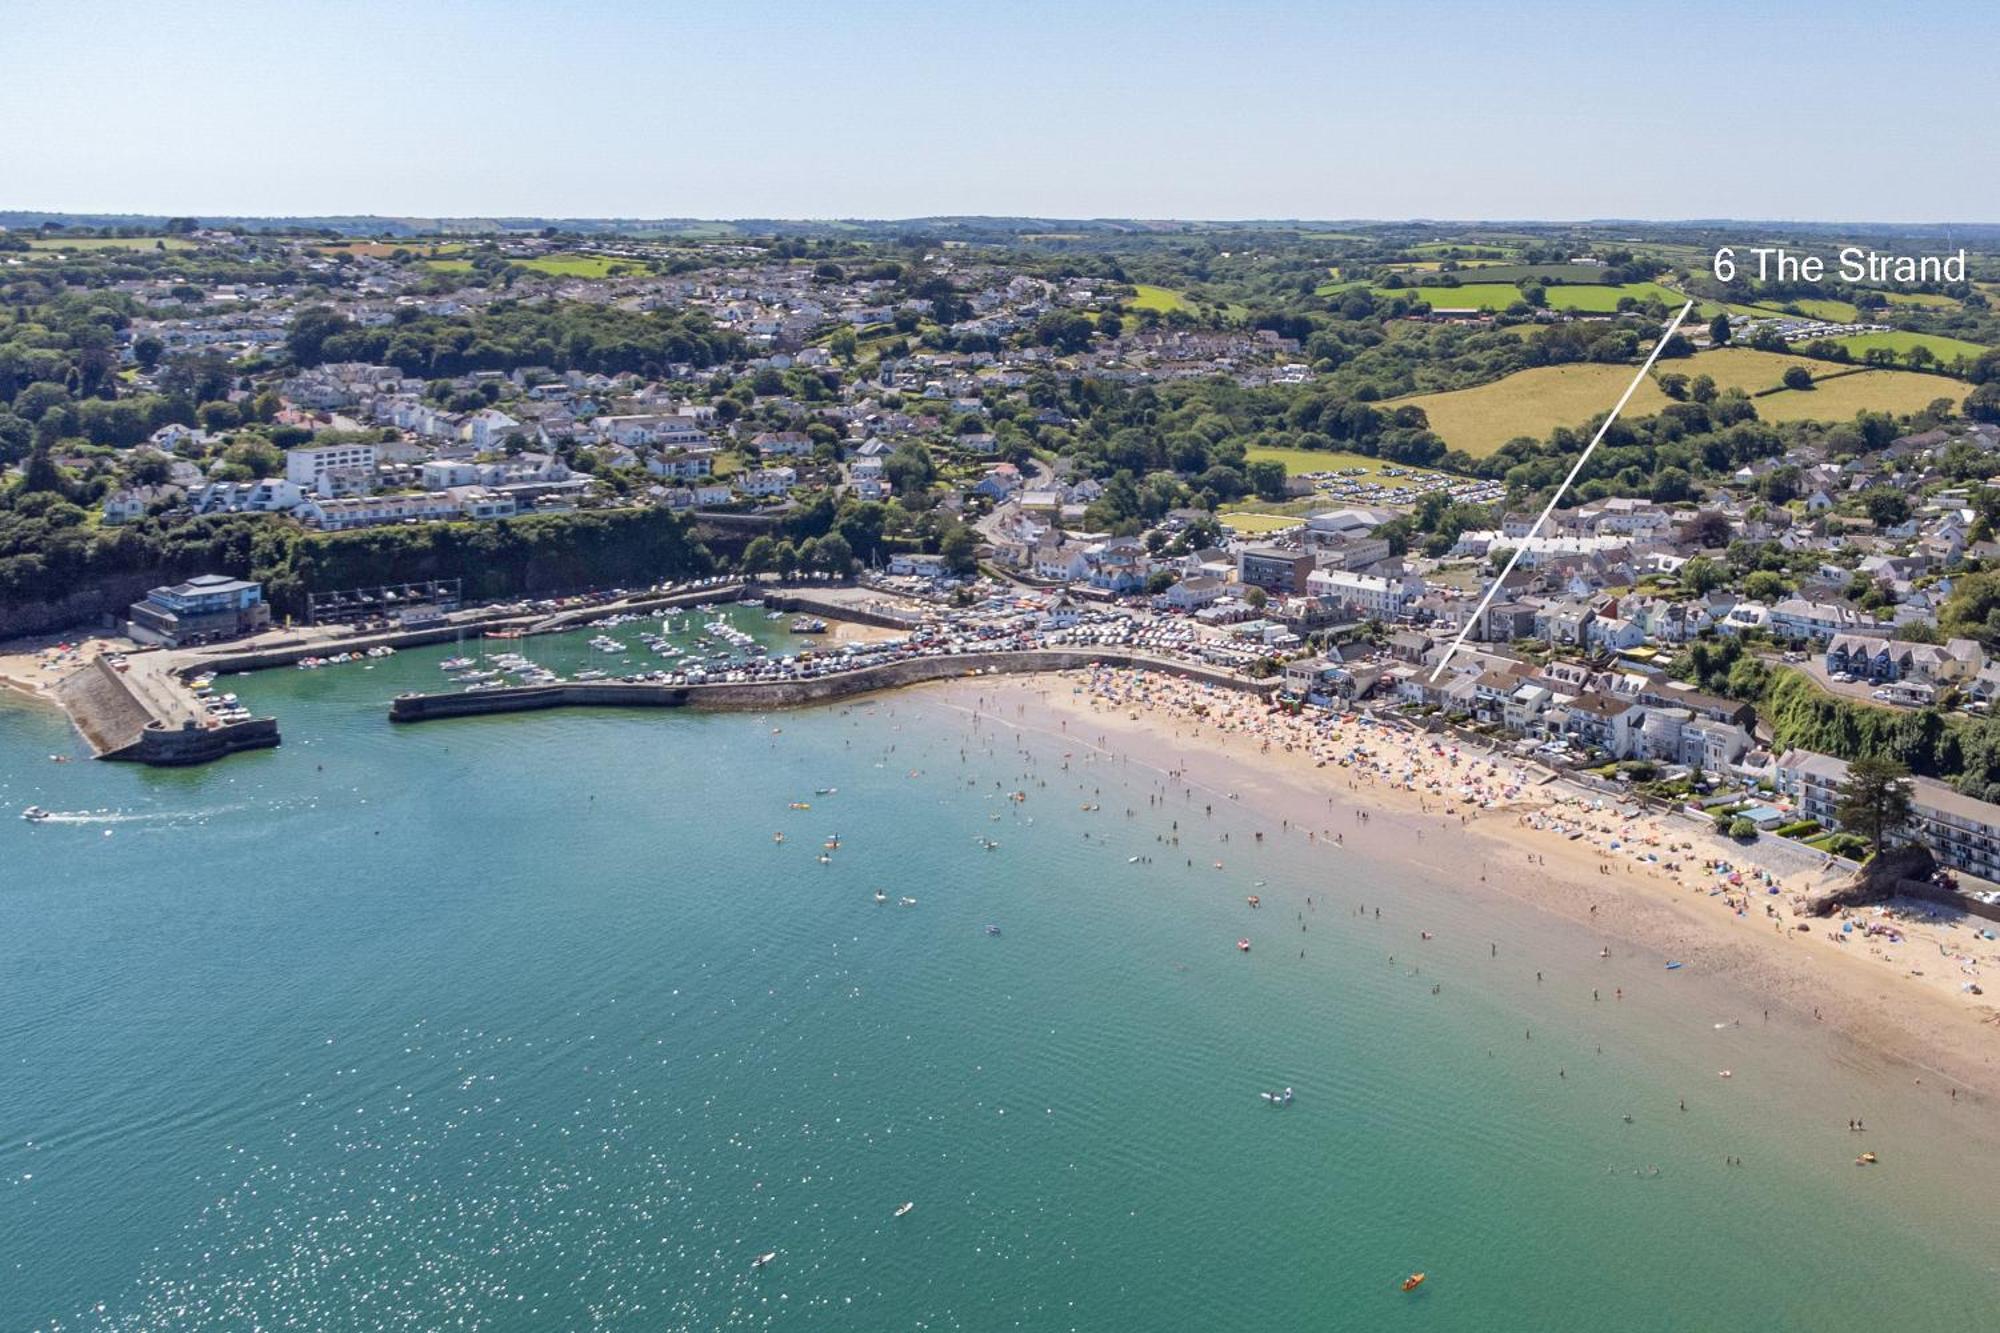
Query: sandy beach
{"points": [[33, 666], [1895, 978]]}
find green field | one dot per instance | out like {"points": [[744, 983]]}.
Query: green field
{"points": [[1839, 312], [1162, 299], [1497, 296], [1925, 299], [449, 265], [1839, 399], [578, 266], [1900, 341], [67, 245], [1532, 402]]}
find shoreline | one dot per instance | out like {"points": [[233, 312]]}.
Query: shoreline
{"points": [[1900, 1002]]}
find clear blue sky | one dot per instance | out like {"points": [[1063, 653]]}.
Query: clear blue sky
{"points": [[1831, 110]]}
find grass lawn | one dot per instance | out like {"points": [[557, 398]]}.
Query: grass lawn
{"points": [[1298, 462], [1162, 299], [1900, 341], [1465, 296], [1839, 312], [449, 265], [1532, 402]]}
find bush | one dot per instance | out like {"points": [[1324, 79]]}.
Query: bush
{"points": [[1800, 828], [1742, 830]]}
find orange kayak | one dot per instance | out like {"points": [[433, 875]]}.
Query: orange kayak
{"points": [[1413, 1281]]}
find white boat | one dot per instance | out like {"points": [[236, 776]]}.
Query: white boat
{"points": [[764, 1258], [34, 814], [908, 902], [904, 1210], [880, 896]]}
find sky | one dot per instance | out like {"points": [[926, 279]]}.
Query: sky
{"points": [[1826, 111]]}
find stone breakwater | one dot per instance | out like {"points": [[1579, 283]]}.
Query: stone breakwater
{"points": [[119, 719], [752, 695]]}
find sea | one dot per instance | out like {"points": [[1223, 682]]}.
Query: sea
{"points": [[657, 1020]]}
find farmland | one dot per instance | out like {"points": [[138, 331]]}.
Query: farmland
{"points": [[1746, 369], [1871, 390], [68, 244], [1946, 350], [1594, 300], [578, 266], [1531, 402]]}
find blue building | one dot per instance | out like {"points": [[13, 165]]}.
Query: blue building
{"points": [[205, 609]]}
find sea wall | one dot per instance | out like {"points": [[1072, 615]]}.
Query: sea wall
{"points": [[174, 747], [103, 706], [756, 695], [828, 608]]}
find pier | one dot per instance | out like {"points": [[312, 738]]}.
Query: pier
{"points": [[145, 715], [755, 695]]}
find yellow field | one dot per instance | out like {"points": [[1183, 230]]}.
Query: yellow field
{"points": [[1744, 368], [1532, 402], [1298, 462], [1248, 521], [1873, 390], [1162, 299]]}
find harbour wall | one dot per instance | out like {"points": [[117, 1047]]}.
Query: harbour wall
{"points": [[757, 695], [115, 717], [103, 706]]}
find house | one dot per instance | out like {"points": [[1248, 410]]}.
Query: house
{"points": [[1191, 594], [908, 564], [205, 609], [683, 464], [131, 503], [270, 496], [1897, 659], [768, 481], [1365, 595], [1599, 721], [1000, 481], [781, 443]]}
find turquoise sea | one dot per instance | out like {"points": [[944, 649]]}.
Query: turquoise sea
{"points": [[530, 1023]]}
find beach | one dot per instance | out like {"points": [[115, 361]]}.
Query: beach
{"points": [[1893, 983]]}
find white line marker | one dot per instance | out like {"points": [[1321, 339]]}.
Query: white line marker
{"points": [[1561, 491]]}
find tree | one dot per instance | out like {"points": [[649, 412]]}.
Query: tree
{"points": [[1887, 506], [1701, 575], [1875, 800], [1256, 598], [1718, 329], [1797, 377], [1267, 477], [960, 549], [760, 556]]}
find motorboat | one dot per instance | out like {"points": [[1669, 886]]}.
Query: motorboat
{"points": [[1413, 1281], [764, 1258], [908, 902], [992, 930], [1244, 945], [1278, 1098], [904, 1209], [34, 814]]}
